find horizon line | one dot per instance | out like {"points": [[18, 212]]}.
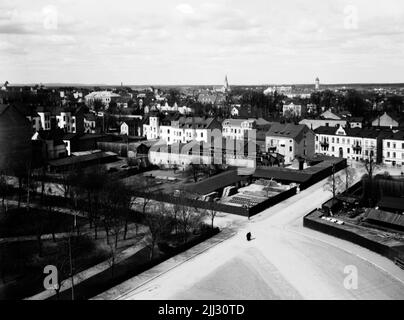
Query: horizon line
{"points": [[66, 84]]}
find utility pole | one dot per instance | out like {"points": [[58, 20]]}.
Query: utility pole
{"points": [[71, 266]]}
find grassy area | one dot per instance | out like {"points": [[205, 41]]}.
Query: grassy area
{"points": [[130, 268], [21, 269], [21, 222]]}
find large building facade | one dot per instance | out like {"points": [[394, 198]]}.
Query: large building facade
{"points": [[290, 141], [350, 143]]}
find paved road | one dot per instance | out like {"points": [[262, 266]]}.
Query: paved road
{"points": [[284, 261]]}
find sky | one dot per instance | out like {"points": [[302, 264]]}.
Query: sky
{"points": [[178, 42]]}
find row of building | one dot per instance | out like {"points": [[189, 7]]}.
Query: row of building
{"points": [[69, 120], [288, 141]]}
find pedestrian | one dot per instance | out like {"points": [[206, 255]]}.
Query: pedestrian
{"points": [[249, 236]]}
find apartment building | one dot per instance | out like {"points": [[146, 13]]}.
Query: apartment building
{"points": [[70, 121], [187, 129], [45, 118], [293, 110], [182, 130], [393, 149], [105, 97], [228, 152], [152, 130], [290, 141], [238, 129], [350, 143]]}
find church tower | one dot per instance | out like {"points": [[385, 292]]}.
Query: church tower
{"points": [[226, 87], [317, 86]]}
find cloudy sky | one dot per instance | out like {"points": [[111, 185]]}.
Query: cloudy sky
{"points": [[199, 42]]}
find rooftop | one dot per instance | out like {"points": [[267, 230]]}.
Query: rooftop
{"points": [[289, 130], [217, 182], [74, 160]]}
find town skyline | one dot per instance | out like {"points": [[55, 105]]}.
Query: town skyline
{"points": [[161, 42]]}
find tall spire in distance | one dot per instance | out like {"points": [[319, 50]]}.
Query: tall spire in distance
{"points": [[226, 85]]}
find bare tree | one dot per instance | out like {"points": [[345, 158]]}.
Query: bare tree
{"points": [[160, 225], [350, 176], [116, 204], [211, 212], [4, 188], [370, 167], [334, 183], [188, 219]]}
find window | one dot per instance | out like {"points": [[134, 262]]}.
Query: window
{"points": [[402, 146], [332, 140], [290, 148], [343, 140], [388, 154], [394, 154], [388, 144], [337, 140], [394, 145], [316, 138], [201, 134]]}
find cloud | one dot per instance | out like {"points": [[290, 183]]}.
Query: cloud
{"points": [[185, 8]]}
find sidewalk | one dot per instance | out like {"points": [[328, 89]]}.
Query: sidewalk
{"points": [[121, 291], [86, 274], [57, 209]]}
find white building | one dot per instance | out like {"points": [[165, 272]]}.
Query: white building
{"points": [[66, 121], [152, 130], [235, 110], [393, 149], [185, 110], [290, 141], [187, 129], [35, 120], [89, 123], [229, 152], [350, 143], [286, 90], [237, 129], [292, 110], [106, 97], [45, 119]]}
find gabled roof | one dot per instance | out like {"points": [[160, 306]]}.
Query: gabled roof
{"points": [[370, 133], [90, 117], [288, 130], [384, 217], [216, 182], [326, 130]]}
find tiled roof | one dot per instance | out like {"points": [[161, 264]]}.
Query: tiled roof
{"points": [[371, 133], [288, 130]]}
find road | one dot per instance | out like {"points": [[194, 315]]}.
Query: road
{"points": [[283, 261]]}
